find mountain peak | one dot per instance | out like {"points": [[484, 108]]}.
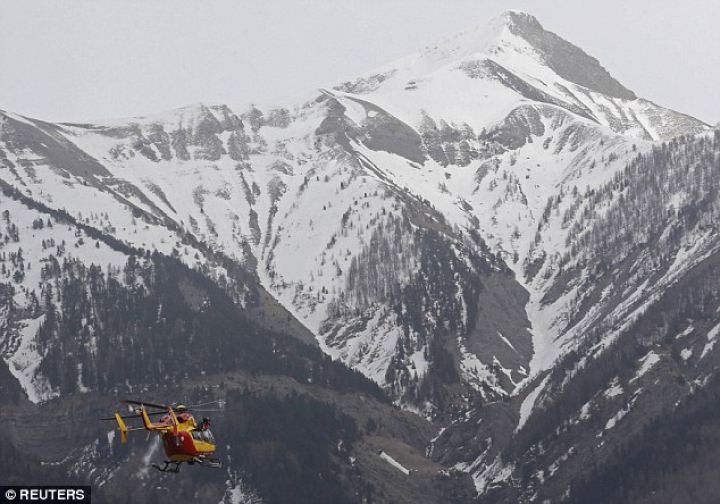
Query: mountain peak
{"points": [[518, 18], [565, 59], [501, 39]]}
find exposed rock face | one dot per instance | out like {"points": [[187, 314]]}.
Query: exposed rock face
{"points": [[568, 61]]}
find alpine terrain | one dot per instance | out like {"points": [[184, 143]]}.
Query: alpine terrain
{"points": [[487, 272]]}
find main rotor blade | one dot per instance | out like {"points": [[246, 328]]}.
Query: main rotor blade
{"points": [[219, 402], [250, 392], [193, 406], [142, 403]]}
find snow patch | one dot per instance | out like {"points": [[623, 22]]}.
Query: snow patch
{"points": [[686, 332], [236, 491], [24, 361], [612, 422], [585, 411], [712, 339], [394, 463], [614, 390], [80, 386], [528, 403], [506, 341], [475, 372], [615, 419], [144, 471], [647, 362], [496, 472]]}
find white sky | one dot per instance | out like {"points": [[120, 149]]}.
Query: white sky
{"points": [[79, 60]]}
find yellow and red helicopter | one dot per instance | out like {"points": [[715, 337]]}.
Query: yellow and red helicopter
{"points": [[183, 438]]}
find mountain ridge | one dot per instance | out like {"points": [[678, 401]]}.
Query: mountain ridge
{"points": [[471, 228], [209, 134]]}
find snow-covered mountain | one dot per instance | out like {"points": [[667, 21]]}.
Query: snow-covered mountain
{"points": [[463, 226]]}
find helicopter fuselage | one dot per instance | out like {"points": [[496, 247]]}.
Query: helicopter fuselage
{"points": [[186, 446]]}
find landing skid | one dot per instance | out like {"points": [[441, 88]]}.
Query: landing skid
{"points": [[175, 469], [205, 462]]}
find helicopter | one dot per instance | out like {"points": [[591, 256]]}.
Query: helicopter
{"points": [[184, 440]]}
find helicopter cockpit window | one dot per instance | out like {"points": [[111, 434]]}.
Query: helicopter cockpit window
{"points": [[203, 435]]}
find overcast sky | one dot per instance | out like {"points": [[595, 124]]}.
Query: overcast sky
{"points": [[79, 60]]}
